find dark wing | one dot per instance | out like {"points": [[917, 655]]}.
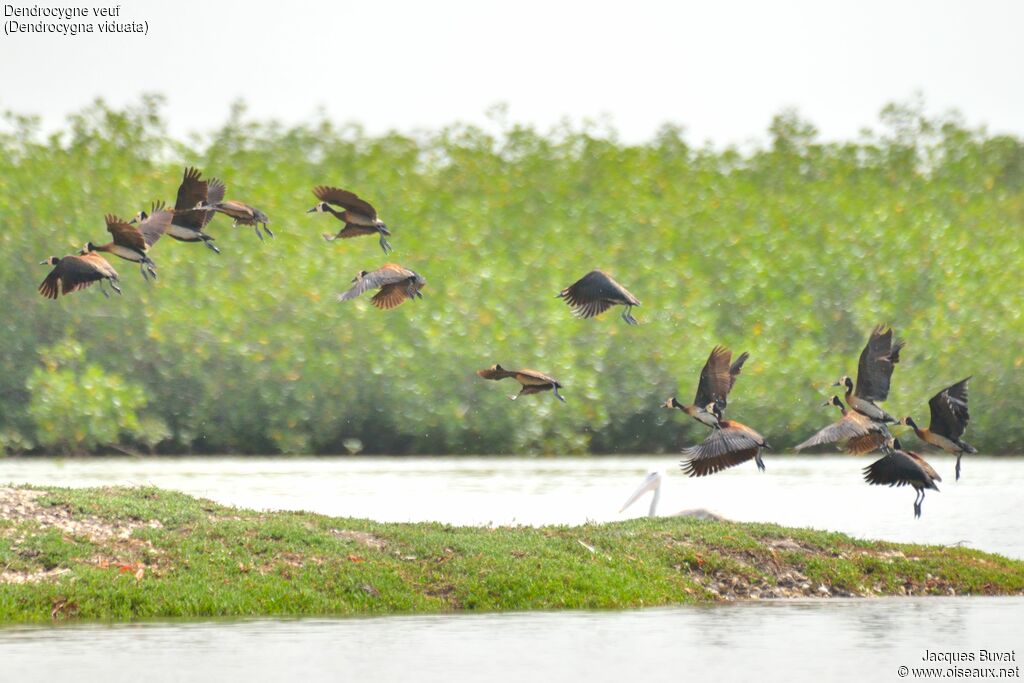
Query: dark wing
{"points": [[593, 293], [353, 230], [839, 430], [191, 191], [537, 374], [48, 287], [869, 443], [875, 368], [949, 411], [155, 224], [721, 449], [214, 195], [390, 296], [736, 368], [715, 380], [897, 469], [385, 275], [125, 234], [345, 199], [74, 273]]}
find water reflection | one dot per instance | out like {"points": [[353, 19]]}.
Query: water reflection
{"points": [[835, 640]]}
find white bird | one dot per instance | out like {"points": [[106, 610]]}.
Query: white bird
{"points": [[652, 482]]}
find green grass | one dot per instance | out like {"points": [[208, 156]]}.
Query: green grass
{"points": [[176, 556]]}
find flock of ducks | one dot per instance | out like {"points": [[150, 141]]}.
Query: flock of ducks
{"points": [[862, 428]]}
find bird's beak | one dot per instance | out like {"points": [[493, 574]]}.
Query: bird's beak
{"points": [[313, 210], [45, 263], [826, 404], [837, 383], [651, 482]]}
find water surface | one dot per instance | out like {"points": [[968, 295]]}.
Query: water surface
{"points": [[825, 492]]}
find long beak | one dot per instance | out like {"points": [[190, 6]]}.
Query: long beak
{"points": [[44, 263], [650, 482], [313, 210], [826, 404]]}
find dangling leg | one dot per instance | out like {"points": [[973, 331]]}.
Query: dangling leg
{"points": [[268, 230], [917, 506], [258, 233], [113, 286], [759, 461], [958, 456], [208, 241], [554, 388], [920, 503], [628, 317], [104, 290], [142, 269], [151, 267], [385, 245], [521, 391]]}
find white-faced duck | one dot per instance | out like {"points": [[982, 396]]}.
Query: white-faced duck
{"points": [[902, 468], [242, 213], [72, 273], [533, 381], [731, 444], [860, 432], [132, 243], [873, 374], [596, 292], [188, 222], [395, 282], [716, 380], [949, 418], [359, 217]]}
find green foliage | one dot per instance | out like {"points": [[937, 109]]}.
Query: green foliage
{"points": [[793, 251], [78, 406]]}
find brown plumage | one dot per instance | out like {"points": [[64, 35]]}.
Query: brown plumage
{"points": [[188, 222], [596, 292], [533, 381], [902, 468], [874, 372], [949, 419], [395, 282], [72, 273], [242, 213], [132, 243], [860, 432], [716, 381], [359, 217], [729, 445]]}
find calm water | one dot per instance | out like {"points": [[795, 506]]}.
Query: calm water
{"points": [[836, 640], [981, 510]]}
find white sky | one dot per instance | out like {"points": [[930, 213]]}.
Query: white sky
{"points": [[720, 69]]}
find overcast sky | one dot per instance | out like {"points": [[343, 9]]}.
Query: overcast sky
{"points": [[720, 69]]}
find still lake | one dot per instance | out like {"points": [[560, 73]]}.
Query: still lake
{"points": [[836, 640]]}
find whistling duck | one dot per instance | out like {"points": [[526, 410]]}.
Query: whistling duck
{"points": [[594, 293], [729, 445], [131, 243], [861, 433], [874, 371], [716, 380], [533, 381], [900, 468], [188, 222], [77, 272], [395, 282], [242, 213], [948, 422], [359, 216]]}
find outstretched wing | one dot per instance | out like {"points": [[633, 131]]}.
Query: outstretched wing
{"points": [[388, 274], [949, 411], [495, 372], [125, 234], [875, 367], [345, 199], [846, 428], [723, 448], [594, 293], [715, 380], [156, 223], [390, 296], [899, 469]]}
